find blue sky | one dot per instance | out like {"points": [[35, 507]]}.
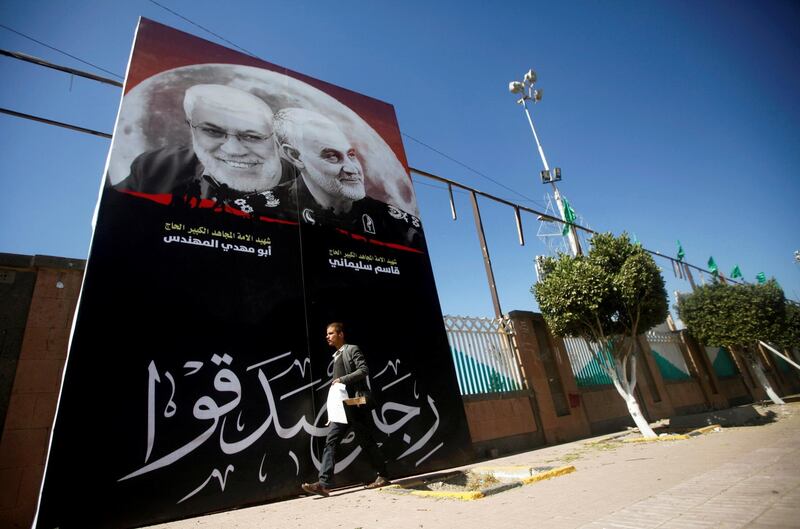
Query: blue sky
{"points": [[671, 120]]}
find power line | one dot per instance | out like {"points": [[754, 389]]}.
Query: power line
{"points": [[458, 186], [217, 35], [472, 169], [42, 62], [165, 8], [66, 69], [58, 50], [426, 184], [187, 19], [53, 122]]}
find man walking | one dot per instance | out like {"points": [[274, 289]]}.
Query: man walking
{"points": [[350, 369]]}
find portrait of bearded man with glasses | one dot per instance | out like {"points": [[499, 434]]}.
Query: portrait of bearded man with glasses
{"points": [[233, 159]]}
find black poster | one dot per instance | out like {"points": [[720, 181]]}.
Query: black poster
{"points": [[244, 208]]}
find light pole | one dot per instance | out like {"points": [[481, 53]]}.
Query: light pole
{"points": [[528, 93]]}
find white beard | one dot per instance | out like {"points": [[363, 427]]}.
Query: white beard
{"points": [[351, 191]]}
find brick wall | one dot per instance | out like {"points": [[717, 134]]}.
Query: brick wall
{"points": [[497, 417], [34, 393]]}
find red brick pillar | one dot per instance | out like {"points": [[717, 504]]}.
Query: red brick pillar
{"points": [[549, 375]]}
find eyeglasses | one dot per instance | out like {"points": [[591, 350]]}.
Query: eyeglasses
{"points": [[216, 134]]}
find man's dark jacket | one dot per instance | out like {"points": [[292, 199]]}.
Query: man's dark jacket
{"points": [[355, 367]]}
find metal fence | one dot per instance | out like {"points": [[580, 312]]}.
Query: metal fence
{"points": [[584, 364], [664, 346], [484, 353], [722, 362], [666, 349]]}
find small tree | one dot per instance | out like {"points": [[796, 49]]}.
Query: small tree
{"points": [[607, 298], [738, 315]]}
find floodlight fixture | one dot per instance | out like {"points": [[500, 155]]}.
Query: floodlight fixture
{"points": [[549, 177], [515, 87], [537, 95], [530, 77]]}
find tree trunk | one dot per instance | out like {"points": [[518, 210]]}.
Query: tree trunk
{"points": [[625, 388], [636, 415], [762, 378]]}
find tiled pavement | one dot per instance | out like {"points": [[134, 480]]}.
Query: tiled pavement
{"points": [[761, 490], [739, 477]]}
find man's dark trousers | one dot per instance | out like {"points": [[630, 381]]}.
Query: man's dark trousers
{"points": [[358, 418]]}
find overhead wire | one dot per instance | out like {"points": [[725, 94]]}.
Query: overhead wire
{"points": [[472, 169], [437, 151], [65, 69], [53, 122], [453, 183], [165, 8], [59, 50]]}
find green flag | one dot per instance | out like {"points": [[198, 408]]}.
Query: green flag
{"points": [[569, 216], [712, 266], [681, 254], [762, 278], [736, 272]]}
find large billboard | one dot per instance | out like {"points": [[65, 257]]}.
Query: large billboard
{"points": [[244, 207]]}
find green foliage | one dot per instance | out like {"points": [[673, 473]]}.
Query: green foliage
{"points": [[732, 315], [616, 290], [791, 332]]}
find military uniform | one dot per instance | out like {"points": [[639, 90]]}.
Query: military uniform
{"points": [[367, 217]]}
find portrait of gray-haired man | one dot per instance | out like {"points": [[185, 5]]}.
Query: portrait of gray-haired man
{"points": [[330, 190], [233, 158]]}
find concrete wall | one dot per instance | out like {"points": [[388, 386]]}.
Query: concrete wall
{"points": [[37, 379]]}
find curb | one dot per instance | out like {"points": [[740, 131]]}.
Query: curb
{"points": [[561, 471], [704, 430], [677, 437], [489, 491]]}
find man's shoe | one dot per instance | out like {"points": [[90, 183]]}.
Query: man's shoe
{"points": [[379, 482], [315, 488]]}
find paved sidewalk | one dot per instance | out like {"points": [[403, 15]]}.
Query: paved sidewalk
{"points": [[738, 477]]}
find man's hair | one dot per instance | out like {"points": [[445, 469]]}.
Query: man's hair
{"points": [[290, 122], [336, 326], [223, 95]]}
